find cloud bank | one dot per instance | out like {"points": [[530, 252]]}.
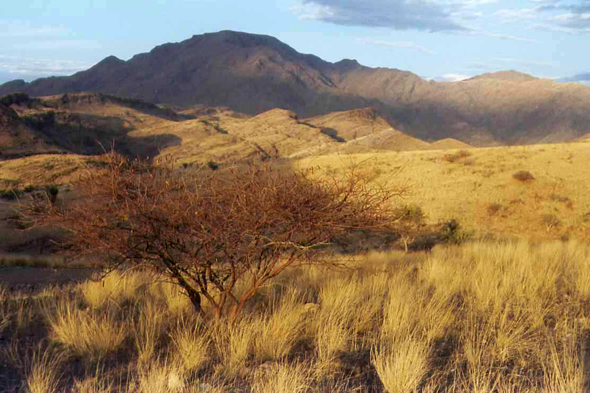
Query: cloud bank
{"points": [[395, 14], [27, 68]]}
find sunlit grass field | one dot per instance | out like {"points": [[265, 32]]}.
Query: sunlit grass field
{"points": [[481, 317], [478, 188]]}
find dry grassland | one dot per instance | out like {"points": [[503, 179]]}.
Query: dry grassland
{"points": [[477, 187], [483, 317], [41, 170]]}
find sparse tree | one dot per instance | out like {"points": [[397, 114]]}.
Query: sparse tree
{"points": [[411, 220], [208, 231]]}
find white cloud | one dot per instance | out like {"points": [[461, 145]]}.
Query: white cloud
{"points": [[517, 15], [24, 66], [474, 3], [524, 62], [399, 44], [58, 44], [14, 29], [500, 36], [452, 78]]}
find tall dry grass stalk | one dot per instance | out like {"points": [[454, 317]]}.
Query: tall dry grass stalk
{"points": [[85, 332], [233, 344], [44, 371], [98, 384], [503, 317], [402, 364], [4, 309], [564, 366], [281, 327], [283, 378], [191, 345], [147, 329], [176, 302], [115, 286]]}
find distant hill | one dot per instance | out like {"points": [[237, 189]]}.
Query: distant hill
{"points": [[252, 74], [17, 137], [511, 76], [90, 123], [86, 123]]}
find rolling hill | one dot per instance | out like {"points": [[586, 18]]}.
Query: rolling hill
{"points": [[90, 123]]}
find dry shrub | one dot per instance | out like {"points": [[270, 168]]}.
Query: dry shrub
{"points": [[551, 221], [494, 208], [452, 157], [523, 176], [206, 231]]}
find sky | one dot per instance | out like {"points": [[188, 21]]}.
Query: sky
{"points": [[444, 40]]}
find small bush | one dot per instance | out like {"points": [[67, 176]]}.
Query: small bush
{"points": [[456, 156], [10, 194], [494, 208], [452, 232], [550, 221], [523, 176]]}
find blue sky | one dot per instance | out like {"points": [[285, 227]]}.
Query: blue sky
{"points": [[443, 39]]}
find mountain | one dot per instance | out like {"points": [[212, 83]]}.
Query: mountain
{"points": [[512, 76], [253, 74], [579, 78]]}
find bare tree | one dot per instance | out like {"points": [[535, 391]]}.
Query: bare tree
{"points": [[411, 222], [207, 231]]}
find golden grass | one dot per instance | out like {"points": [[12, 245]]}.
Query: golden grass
{"points": [[401, 365], [116, 287], [233, 344], [44, 371], [282, 378], [191, 344], [85, 332], [281, 328], [481, 317], [150, 322], [464, 189], [43, 169]]}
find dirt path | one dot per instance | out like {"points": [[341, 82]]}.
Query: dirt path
{"points": [[35, 278]]}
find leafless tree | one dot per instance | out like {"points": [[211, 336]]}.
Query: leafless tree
{"points": [[207, 230]]}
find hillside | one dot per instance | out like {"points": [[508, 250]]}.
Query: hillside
{"points": [[90, 123], [252, 74], [477, 186], [17, 138]]}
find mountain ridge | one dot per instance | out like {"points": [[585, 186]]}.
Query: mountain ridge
{"points": [[251, 73]]}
